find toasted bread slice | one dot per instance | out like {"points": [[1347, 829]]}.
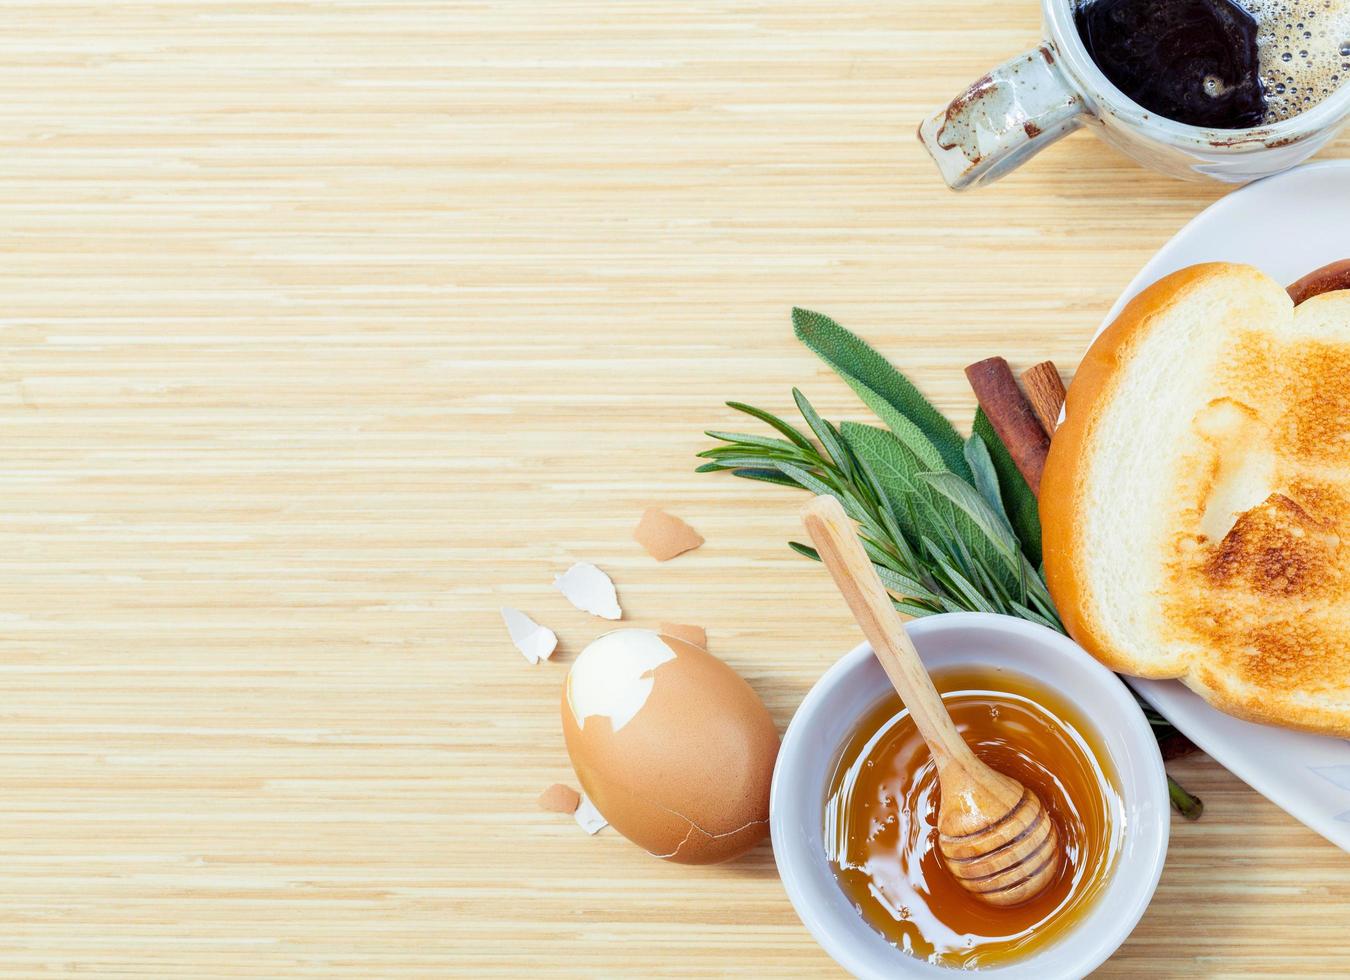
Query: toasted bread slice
{"points": [[1196, 499]]}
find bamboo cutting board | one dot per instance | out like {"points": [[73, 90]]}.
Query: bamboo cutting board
{"points": [[330, 328]]}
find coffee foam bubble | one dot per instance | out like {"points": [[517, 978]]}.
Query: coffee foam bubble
{"points": [[1304, 51]]}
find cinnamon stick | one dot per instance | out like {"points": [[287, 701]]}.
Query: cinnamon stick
{"points": [[1336, 275], [1011, 415], [1045, 391]]}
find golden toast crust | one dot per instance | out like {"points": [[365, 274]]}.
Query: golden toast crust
{"points": [[1260, 601]]}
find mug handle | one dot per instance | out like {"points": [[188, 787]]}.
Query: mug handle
{"points": [[1018, 109]]}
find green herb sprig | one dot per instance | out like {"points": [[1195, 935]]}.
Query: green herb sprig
{"points": [[949, 523]]}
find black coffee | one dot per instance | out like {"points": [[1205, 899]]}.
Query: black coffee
{"points": [[1194, 61], [1217, 63]]}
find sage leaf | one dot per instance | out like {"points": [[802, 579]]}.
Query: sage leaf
{"points": [[903, 429], [981, 552], [886, 505], [991, 524], [1018, 500], [986, 477], [899, 474], [854, 360], [895, 470]]}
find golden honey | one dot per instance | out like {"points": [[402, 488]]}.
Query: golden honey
{"points": [[881, 819]]}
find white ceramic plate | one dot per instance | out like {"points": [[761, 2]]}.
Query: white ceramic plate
{"points": [[1287, 225]]}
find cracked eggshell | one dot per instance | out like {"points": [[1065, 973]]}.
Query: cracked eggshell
{"points": [[672, 746]]}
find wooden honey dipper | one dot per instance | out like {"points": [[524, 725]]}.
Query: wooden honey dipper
{"points": [[995, 835]]}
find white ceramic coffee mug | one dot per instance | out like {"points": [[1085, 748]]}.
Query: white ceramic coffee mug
{"points": [[1027, 103]]}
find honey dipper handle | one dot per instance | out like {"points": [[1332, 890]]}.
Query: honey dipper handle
{"points": [[832, 533]]}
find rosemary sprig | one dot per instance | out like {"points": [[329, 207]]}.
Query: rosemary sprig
{"points": [[949, 524], [940, 545]]}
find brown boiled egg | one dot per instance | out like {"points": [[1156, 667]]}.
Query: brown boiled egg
{"points": [[671, 745]]}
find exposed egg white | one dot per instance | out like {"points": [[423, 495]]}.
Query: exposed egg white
{"points": [[612, 678]]}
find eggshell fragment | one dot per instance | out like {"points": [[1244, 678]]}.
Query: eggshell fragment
{"points": [[673, 747], [559, 799], [590, 590], [535, 642], [664, 535], [588, 818], [687, 632]]}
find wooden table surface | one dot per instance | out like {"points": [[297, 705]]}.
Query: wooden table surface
{"points": [[329, 328]]}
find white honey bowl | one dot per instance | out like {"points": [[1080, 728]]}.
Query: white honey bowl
{"points": [[830, 714]]}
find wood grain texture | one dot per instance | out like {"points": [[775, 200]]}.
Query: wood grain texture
{"points": [[331, 327]]}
